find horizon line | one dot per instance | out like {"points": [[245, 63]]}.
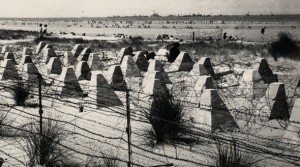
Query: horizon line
{"points": [[170, 15]]}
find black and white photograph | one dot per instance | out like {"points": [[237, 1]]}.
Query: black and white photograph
{"points": [[149, 83]]}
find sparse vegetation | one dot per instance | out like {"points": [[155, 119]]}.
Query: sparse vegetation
{"points": [[16, 34], [20, 93], [166, 119], [285, 47], [4, 121], [45, 149], [230, 155]]}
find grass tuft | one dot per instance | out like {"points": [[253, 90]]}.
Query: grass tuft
{"points": [[167, 123], [229, 155], [20, 93], [45, 149]]}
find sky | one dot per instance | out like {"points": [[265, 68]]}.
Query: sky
{"points": [[103, 8]]}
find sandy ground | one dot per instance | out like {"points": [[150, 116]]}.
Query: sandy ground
{"points": [[180, 32]]}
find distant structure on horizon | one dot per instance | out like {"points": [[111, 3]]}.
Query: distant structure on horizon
{"points": [[155, 14]]}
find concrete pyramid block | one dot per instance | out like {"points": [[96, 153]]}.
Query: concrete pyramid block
{"points": [[198, 70], [295, 115], [83, 71], [150, 77], [182, 63], [252, 84], [27, 51], [68, 59], [141, 60], [10, 55], [5, 49], [78, 48], [54, 66], [274, 105], [84, 55], [193, 95], [162, 55], [47, 46], [47, 53], [30, 73], [264, 71], [211, 99], [129, 67], [204, 82], [276, 91], [115, 78], [251, 75], [102, 92], [95, 63], [221, 118], [125, 51], [40, 47], [69, 85], [203, 67], [8, 70], [155, 65], [25, 59], [153, 84], [154, 87]]}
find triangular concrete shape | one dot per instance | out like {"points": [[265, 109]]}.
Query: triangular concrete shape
{"points": [[155, 65], [276, 91], [47, 53], [150, 77], [194, 94], [204, 82], [210, 99], [154, 87], [5, 49], [102, 92], [274, 105], [125, 51], [221, 118], [115, 78], [251, 75], [25, 59], [47, 46], [8, 71], [69, 85], [141, 60], [162, 55], [252, 84], [129, 68], [68, 59], [27, 51], [40, 47], [78, 48], [82, 71], [10, 55], [30, 73], [264, 71], [203, 67], [54, 66], [84, 55], [95, 63], [295, 114], [182, 63]]}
